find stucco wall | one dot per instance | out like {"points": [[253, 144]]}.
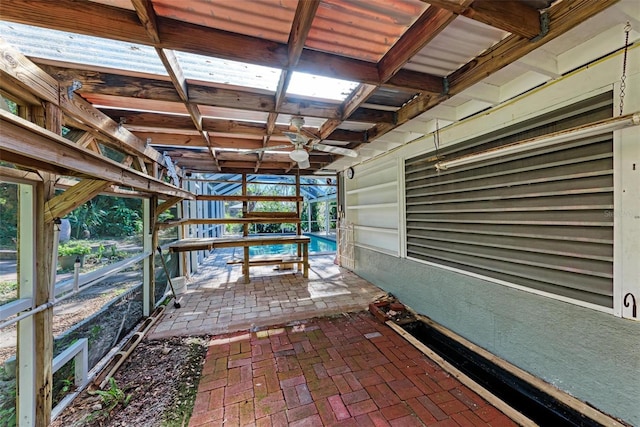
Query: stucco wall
{"points": [[591, 355]]}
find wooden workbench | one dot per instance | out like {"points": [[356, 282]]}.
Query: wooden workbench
{"points": [[199, 244]]}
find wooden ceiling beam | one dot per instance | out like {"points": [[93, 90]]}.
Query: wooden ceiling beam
{"points": [[157, 121], [118, 85], [21, 71], [165, 139], [302, 20], [563, 16], [18, 176], [120, 24], [512, 16], [111, 132], [23, 160], [148, 18], [20, 136], [305, 12]]}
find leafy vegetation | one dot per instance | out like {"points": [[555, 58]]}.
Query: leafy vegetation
{"points": [[98, 216], [8, 215], [73, 248], [109, 399]]}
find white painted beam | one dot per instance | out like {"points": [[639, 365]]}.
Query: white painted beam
{"points": [[484, 92], [541, 62]]}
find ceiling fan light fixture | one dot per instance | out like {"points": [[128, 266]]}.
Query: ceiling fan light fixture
{"points": [[299, 155]]}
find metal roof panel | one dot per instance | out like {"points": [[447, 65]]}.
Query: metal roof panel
{"points": [[362, 29], [267, 19]]}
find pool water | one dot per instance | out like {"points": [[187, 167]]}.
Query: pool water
{"points": [[317, 245]]}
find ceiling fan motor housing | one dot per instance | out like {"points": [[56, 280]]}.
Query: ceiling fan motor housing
{"points": [[297, 122]]}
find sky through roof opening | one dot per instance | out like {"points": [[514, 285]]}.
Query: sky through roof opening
{"points": [[310, 85], [224, 71]]}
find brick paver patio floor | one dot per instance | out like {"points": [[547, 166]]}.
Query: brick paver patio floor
{"points": [[330, 364], [342, 370]]}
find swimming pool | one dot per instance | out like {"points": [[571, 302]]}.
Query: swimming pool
{"points": [[317, 245]]}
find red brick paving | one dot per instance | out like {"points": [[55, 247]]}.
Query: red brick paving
{"points": [[326, 372]]}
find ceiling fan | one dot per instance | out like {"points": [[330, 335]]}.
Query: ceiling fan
{"points": [[303, 144]]}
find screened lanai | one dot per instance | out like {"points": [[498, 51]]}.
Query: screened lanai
{"points": [[473, 161]]}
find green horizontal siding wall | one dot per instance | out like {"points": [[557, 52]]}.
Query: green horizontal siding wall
{"points": [[540, 218]]}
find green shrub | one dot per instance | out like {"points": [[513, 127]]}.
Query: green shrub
{"points": [[73, 248]]}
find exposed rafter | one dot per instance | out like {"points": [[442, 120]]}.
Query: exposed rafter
{"points": [[509, 15], [20, 136], [177, 115]]}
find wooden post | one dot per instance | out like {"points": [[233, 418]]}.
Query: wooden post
{"points": [[147, 270], [245, 204], [149, 296], [42, 321], [299, 205], [298, 211]]}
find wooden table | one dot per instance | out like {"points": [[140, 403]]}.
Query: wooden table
{"points": [[199, 244]]}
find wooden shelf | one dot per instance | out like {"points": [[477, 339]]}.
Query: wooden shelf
{"points": [[216, 197], [215, 221], [273, 260]]}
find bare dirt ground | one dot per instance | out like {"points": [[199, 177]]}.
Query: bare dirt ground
{"points": [[156, 386]]}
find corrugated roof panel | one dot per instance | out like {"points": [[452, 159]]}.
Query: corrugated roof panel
{"points": [[362, 29], [80, 49], [320, 87], [268, 19], [456, 45], [390, 97], [233, 114], [355, 126], [224, 71]]}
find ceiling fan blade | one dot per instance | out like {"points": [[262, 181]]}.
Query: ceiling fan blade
{"points": [[304, 165], [270, 148], [336, 150]]}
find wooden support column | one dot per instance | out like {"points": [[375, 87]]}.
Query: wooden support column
{"points": [[147, 269], [245, 204], [150, 242], [42, 321], [299, 204], [298, 212]]}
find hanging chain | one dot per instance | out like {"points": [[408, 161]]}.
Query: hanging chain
{"points": [[623, 78]]}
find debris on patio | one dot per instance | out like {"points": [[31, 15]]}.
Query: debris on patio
{"points": [[389, 307]]}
